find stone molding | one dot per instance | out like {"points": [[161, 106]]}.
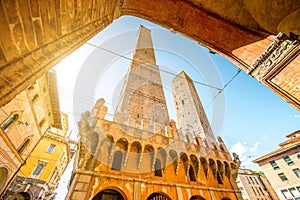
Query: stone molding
{"points": [[275, 56]]}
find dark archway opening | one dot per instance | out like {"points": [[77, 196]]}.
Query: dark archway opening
{"points": [[197, 198], [109, 194], [158, 196]]}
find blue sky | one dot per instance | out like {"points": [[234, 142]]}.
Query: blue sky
{"points": [[250, 118]]}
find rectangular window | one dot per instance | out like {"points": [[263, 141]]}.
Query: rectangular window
{"points": [[288, 160], [287, 194], [294, 192], [274, 165], [283, 177], [38, 169], [297, 172], [51, 148]]}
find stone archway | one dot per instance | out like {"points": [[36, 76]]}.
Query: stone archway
{"points": [[109, 194], [3, 177], [43, 32]]}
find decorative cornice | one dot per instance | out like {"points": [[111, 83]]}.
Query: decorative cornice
{"points": [[274, 56]]}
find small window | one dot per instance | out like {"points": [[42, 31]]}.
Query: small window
{"points": [[38, 169], [9, 121], [51, 148], [283, 177], [288, 160], [297, 172], [35, 98], [274, 165], [24, 145]]}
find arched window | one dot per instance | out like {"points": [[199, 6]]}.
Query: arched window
{"points": [[9, 121], [38, 169], [24, 145], [157, 168], [117, 161], [192, 174]]}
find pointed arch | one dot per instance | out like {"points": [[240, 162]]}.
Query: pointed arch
{"points": [[220, 172], [196, 163], [134, 155], [212, 165], [184, 159], [122, 143], [173, 156], [204, 164], [227, 169], [148, 158], [162, 155]]}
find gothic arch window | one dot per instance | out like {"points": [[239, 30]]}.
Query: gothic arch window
{"points": [[117, 161], [23, 146], [157, 168], [13, 118], [192, 174]]}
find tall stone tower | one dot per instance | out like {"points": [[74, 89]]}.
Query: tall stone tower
{"points": [[190, 113], [115, 162], [142, 102]]}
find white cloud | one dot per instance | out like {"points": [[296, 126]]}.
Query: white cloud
{"points": [[255, 145], [238, 148], [243, 150], [296, 116]]}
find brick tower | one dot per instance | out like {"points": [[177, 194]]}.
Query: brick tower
{"points": [[141, 155], [142, 102], [190, 114]]}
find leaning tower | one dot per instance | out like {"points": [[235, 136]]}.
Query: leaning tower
{"points": [[141, 154]]}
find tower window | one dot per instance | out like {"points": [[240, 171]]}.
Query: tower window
{"points": [[24, 145], [9, 121], [51, 148]]}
